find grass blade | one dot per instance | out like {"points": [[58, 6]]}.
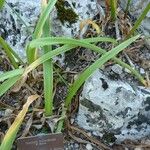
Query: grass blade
{"points": [[113, 5], [100, 39], [10, 74], [139, 20], [47, 70], [42, 19], [12, 131], [10, 53], [6, 85], [38, 29], [84, 43], [2, 4], [65, 40]]}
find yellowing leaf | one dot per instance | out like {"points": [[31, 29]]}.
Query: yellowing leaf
{"points": [[12, 131], [87, 22]]}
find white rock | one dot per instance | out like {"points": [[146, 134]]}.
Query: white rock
{"points": [[117, 69], [142, 71], [89, 147], [114, 107]]}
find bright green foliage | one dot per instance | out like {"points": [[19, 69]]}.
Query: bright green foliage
{"points": [[47, 70], [32, 54], [10, 53], [2, 4]]}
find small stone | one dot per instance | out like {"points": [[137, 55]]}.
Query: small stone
{"points": [[89, 147], [76, 145], [68, 69], [72, 120], [142, 71], [117, 69], [8, 112]]}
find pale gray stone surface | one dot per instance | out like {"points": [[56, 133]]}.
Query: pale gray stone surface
{"points": [[115, 107], [117, 69]]}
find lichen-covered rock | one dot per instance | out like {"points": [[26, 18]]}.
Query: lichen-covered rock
{"points": [[17, 34], [14, 30], [114, 109]]}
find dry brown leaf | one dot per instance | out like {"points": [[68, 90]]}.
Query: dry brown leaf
{"points": [[19, 84], [27, 127], [52, 123], [87, 22], [12, 131]]}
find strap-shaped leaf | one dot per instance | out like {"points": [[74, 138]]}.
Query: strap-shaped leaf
{"points": [[12, 131]]}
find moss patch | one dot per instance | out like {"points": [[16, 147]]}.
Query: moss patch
{"points": [[65, 14]]}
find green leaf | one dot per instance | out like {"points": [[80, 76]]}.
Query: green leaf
{"points": [[13, 129], [6, 85], [11, 54], [139, 20], [47, 70], [2, 4], [10, 74], [66, 40], [97, 64], [113, 5], [38, 29], [84, 43]]}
